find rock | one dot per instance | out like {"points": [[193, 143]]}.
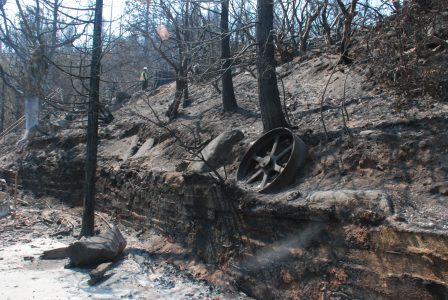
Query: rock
{"points": [[293, 196], [29, 258], [97, 274], [122, 97], [367, 162], [4, 207], [368, 132], [97, 249], [132, 148], [3, 185], [351, 205], [355, 206], [119, 100], [217, 151], [424, 144], [440, 188], [143, 150]]}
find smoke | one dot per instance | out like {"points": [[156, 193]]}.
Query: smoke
{"points": [[282, 249], [163, 32]]}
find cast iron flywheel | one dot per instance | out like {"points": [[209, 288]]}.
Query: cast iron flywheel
{"points": [[272, 161]]}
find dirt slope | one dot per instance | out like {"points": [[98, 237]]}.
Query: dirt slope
{"points": [[400, 152], [403, 152]]}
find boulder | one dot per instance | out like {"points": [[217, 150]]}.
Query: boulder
{"points": [[351, 205], [143, 150], [98, 249], [217, 152], [132, 148], [118, 101]]}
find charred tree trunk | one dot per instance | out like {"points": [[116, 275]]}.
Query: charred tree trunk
{"points": [[268, 95], [2, 109], [147, 43], [288, 23], [228, 93], [326, 27], [172, 111], [185, 62], [349, 14], [54, 29], [181, 87], [18, 111], [88, 216], [184, 83], [306, 31], [186, 96]]}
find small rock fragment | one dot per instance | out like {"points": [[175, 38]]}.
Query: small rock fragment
{"points": [[29, 258], [440, 188], [97, 274]]}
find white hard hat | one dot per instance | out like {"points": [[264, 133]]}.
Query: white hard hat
{"points": [[145, 68]]}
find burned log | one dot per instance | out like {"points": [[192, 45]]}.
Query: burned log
{"points": [[58, 253], [97, 249]]}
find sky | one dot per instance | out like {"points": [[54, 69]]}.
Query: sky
{"points": [[110, 7]]}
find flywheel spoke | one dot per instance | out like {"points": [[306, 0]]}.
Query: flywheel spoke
{"points": [[278, 168], [255, 176], [283, 153], [265, 180], [274, 147], [257, 158]]}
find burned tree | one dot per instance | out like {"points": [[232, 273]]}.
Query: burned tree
{"points": [[173, 49], [228, 94], [268, 95], [307, 22], [31, 38], [88, 216], [348, 13]]}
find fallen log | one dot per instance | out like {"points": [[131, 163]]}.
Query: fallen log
{"points": [[58, 253], [97, 274], [97, 249]]}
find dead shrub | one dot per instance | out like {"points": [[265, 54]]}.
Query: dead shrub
{"points": [[410, 51]]}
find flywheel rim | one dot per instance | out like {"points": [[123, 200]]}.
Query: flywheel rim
{"points": [[272, 161]]}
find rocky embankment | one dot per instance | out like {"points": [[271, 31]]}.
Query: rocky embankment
{"points": [[329, 244], [364, 218]]}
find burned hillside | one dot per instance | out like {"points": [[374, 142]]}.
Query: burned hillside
{"points": [[363, 217]]}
